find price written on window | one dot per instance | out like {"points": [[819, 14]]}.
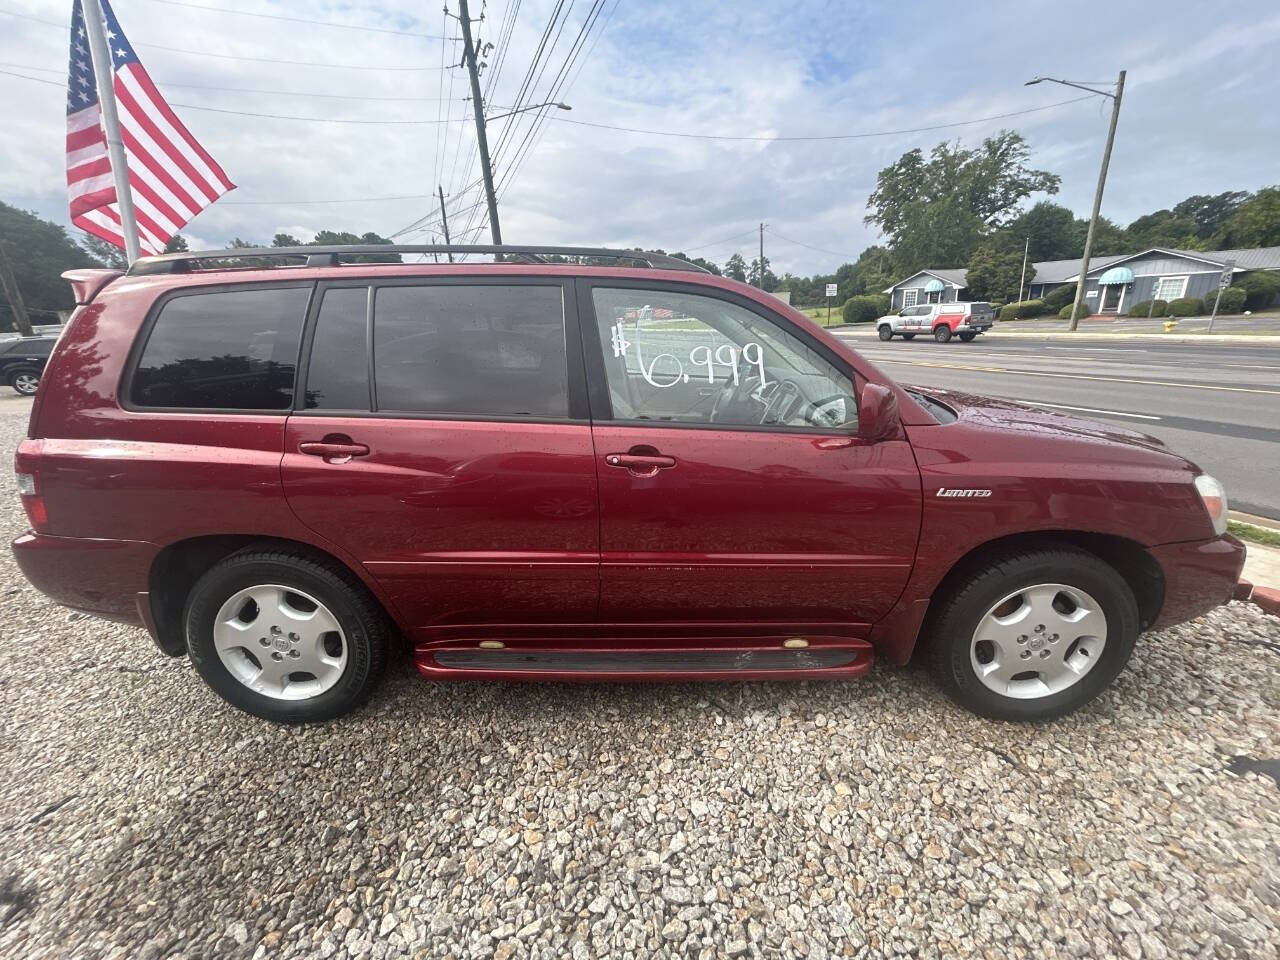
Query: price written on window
{"points": [[703, 361]]}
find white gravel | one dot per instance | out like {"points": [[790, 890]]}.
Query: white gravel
{"points": [[141, 817]]}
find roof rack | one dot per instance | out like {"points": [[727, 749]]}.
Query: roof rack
{"points": [[333, 256]]}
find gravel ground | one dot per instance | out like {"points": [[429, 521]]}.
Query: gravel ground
{"points": [[142, 817]]}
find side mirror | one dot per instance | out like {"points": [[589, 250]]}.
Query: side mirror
{"points": [[878, 413]]}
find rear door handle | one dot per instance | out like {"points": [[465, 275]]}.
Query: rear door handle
{"points": [[640, 465], [333, 450]]}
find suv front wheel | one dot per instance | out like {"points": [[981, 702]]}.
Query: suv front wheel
{"points": [[286, 637], [1035, 635], [886, 332]]}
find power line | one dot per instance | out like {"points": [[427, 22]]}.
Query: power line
{"points": [[716, 243], [52, 83], [831, 136], [294, 203], [276, 16], [282, 116], [227, 56], [801, 243]]}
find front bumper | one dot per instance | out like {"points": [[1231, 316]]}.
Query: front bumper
{"points": [[101, 577], [1198, 576]]}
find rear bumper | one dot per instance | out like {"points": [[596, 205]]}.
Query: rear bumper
{"points": [[101, 577], [1198, 576]]}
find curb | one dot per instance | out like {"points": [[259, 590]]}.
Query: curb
{"points": [[1158, 337], [1268, 598]]}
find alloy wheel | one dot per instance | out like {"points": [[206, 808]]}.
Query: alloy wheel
{"points": [[280, 642], [1038, 641], [26, 383]]}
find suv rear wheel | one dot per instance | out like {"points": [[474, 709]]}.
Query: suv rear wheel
{"points": [[886, 332], [285, 637], [1034, 636], [25, 380], [942, 333]]}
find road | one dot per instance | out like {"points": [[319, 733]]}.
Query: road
{"points": [[1218, 404]]}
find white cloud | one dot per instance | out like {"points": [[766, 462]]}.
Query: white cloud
{"points": [[1194, 119]]}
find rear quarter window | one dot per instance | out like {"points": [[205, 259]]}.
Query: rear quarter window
{"points": [[223, 350]]}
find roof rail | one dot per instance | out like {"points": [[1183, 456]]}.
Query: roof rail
{"points": [[332, 256]]}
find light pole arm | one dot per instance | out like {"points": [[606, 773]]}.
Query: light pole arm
{"points": [[536, 106], [1068, 83]]}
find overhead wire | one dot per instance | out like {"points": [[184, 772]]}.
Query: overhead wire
{"points": [[308, 20]]}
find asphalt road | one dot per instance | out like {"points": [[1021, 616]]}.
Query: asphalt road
{"points": [[1218, 404]]}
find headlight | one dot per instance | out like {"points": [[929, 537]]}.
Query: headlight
{"points": [[1214, 497]]}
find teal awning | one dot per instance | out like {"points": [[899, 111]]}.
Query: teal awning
{"points": [[1116, 276], [933, 286]]}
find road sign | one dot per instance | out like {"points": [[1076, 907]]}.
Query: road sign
{"points": [[831, 289], [1224, 281]]}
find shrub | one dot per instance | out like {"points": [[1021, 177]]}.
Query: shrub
{"points": [[1186, 307], [866, 308], [1260, 289], [1060, 297], [1065, 312], [1143, 308], [1022, 309], [1232, 300]]}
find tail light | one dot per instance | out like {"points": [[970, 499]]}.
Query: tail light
{"points": [[32, 502]]}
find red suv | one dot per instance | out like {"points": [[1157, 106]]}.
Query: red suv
{"points": [[617, 468]]}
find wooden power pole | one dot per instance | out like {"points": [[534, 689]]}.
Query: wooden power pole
{"points": [[477, 107], [444, 221], [14, 296]]}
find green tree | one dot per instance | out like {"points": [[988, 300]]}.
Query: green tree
{"points": [[1048, 227], [1108, 239], [104, 253], [735, 268], [995, 273], [936, 211], [753, 275], [177, 244], [1211, 213], [873, 271], [1164, 228], [1256, 223], [285, 240], [38, 251]]}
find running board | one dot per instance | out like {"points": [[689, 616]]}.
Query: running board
{"points": [[849, 658]]}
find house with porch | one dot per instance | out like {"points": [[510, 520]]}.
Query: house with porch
{"points": [[1113, 284]]}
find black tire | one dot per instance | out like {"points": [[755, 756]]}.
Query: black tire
{"points": [[363, 621], [957, 615], [967, 337], [942, 334], [908, 336], [20, 379], [886, 333]]}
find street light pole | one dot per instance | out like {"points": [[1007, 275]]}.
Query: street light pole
{"points": [[1102, 182]]}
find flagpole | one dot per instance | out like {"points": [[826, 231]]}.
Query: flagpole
{"points": [[103, 72]]}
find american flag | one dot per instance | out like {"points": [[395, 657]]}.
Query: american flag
{"points": [[171, 177]]}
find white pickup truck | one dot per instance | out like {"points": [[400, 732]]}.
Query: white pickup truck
{"points": [[939, 320]]}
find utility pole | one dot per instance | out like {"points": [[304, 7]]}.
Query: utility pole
{"points": [[100, 54], [14, 296], [761, 278], [1102, 181], [1022, 281], [444, 220], [477, 107]]}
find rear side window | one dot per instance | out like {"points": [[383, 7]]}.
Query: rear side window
{"points": [[338, 372], [478, 350], [30, 348], [229, 350]]}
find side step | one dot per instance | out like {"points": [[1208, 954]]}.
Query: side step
{"points": [[847, 659]]}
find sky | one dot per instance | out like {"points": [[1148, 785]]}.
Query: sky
{"points": [[1199, 112]]}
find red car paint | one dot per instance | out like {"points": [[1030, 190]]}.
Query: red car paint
{"points": [[466, 529]]}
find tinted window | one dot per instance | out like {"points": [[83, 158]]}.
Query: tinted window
{"points": [[234, 350], [685, 358], [481, 350], [338, 373], [30, 348]]}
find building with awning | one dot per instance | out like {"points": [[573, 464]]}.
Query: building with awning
{"points": [[1114, 282]]}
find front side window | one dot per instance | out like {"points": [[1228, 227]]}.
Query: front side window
{"points": [[685, 358], [228, 350], [471, 350]]}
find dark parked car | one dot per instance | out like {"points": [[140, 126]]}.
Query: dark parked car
{"points": [[22, 362], [614, 468]]}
